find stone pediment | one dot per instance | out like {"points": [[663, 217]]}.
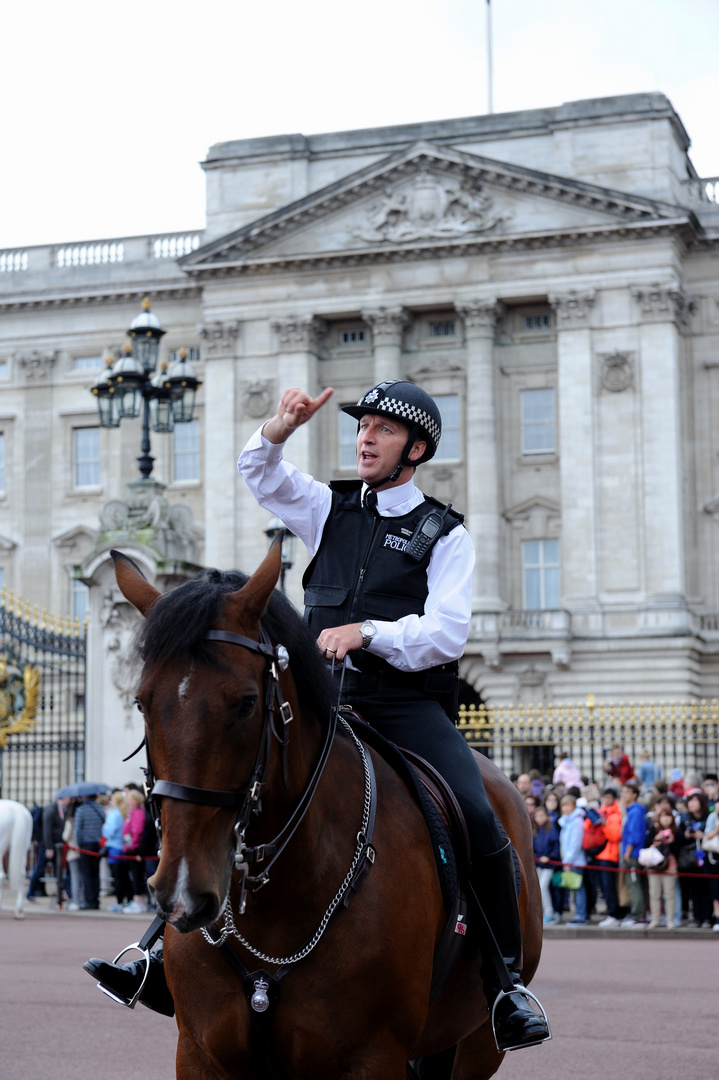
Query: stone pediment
{"points": [[427, 198]]}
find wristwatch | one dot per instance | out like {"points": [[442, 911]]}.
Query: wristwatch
{"points": [[368, 631]]}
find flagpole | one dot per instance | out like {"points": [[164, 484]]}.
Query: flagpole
{"points": [[490, 90]]}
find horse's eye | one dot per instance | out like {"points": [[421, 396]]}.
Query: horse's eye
{"points": [[138, 704], [246, 706]]}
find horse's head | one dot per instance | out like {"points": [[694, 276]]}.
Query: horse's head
{"points": [[203, 703]]}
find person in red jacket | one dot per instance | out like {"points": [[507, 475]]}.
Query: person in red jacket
{"points": [[619, 766], [607, 862]]}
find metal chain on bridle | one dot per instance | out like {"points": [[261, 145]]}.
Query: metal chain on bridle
{"points": [[230, 929]]}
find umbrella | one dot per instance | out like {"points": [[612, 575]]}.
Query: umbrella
{"points": [[83, 787]]}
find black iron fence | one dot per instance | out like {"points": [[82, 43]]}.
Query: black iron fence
{"points": [[677, 734], [42, 701]]}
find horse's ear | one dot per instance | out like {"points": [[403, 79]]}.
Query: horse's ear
{"points": [[252, 599], [132, 583]]}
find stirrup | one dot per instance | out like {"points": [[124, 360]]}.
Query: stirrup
{"points": [[520, 989], [129, 1002]]}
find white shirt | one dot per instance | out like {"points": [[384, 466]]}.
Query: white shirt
{"points": [[414, 642]]}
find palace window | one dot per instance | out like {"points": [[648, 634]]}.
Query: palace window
{"points": [[86, 456], [441, 328], [347, 441], [354, 336], [539, 321], [79, 594], [540, 575], [449, 444], [186, 451], [87, 363], [537, 420]]}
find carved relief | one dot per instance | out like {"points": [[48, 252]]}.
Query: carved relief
{"points": [[387, 324], [257, 398], [480, 316], [219, 338], [573, 308], [437, 365], [428, 208], [662, 303], [37, 365], [616, 372], [119, 622], [300, 333]]}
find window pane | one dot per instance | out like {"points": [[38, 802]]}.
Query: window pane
{"points": [[347, 441], [540, 566], [186, 455], [537, 411], [87, 457], [533, 589], [80, 594], [551, 588], [449, 444]]}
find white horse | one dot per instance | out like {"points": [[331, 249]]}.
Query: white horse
{"points": [[15, 841]]}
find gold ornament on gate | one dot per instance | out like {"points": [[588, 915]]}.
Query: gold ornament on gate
{"points": [[19, 698]]}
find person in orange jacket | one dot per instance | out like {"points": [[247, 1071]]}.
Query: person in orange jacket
{"points": [[607, 862]]}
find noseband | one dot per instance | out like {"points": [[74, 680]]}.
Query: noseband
{"points": [[246, 802]]}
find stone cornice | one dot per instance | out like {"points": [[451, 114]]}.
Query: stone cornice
{"points": [[183, 290], [676, 229]]}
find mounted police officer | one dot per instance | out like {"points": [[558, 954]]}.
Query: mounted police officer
{"points": [[388, 593]]}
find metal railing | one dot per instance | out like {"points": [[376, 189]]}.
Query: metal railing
{"points": [[677, 734]]}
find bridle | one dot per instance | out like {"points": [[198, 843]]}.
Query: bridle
{"points": [[247, 802]]}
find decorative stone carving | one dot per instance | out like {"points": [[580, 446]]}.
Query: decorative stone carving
{"points": [[300, 333], [37, 365], [428, 208], [219, 338], [480, 316], [662, 303], [257, 398], [562, 655], [437, 365], [616, 372], [148, 518], [387, 324], [573, 308], [492, 658], [119, 622]]}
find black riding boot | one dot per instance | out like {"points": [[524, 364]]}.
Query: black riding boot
{"points": [[516, 1023], [121, 982]]}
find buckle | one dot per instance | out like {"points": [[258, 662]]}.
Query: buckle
{"points": [[129, 1002], [540, 1012]]}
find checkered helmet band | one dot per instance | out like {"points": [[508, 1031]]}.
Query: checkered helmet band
{"points": [[408, 403]]}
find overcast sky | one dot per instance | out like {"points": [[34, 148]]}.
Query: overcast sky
{"points": [[109, 108]]}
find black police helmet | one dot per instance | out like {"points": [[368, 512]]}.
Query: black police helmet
{"points": [[408, 403]]}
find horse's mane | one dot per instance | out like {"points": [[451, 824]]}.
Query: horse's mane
{"points": [[176, 625]]}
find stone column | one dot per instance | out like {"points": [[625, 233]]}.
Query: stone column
{"points": [[576, 448], [484, 510], [387, 325], [663, 313], [34, 493], [299, 342], [219, 351]]}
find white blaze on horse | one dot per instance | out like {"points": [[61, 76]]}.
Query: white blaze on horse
{"points": [[15, 842]]}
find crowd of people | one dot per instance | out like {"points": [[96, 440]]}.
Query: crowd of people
{"points": [[75, 837], [647, 846]]}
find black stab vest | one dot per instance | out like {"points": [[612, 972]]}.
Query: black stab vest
{"points": [[360, 570]]}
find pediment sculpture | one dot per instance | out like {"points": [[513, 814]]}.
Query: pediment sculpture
{"points": [[428, 208]]}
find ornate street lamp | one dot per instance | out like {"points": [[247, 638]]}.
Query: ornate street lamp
{"points": [[133, 384], [275, 526]]}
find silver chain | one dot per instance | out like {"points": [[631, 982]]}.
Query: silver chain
{"points": [[230, 930]]}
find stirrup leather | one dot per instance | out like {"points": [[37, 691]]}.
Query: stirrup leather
{"points": [[519, 989], [129, 1002]]}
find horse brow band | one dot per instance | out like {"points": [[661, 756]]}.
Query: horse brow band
{"points": [[203, 796], [238, 639]]}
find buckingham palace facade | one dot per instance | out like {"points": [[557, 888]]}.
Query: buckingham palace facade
{"points": [[550, 276]]}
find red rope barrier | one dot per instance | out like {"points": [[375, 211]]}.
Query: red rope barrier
{"points": [[626, 870], [101, 854]]}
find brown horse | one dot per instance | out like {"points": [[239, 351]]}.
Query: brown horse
{"points": [[355, 1004]]}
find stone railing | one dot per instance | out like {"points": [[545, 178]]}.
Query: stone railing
{"points": [[94, 253], [520, 623], [704, 191]]}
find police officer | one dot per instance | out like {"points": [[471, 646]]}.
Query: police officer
{"points": [[389, 591]]}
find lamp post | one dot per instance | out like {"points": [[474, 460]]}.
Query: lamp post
{"points": [[133, 382], [275, 526]]}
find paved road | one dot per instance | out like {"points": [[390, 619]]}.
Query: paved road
{"points": [[643, 1009]]}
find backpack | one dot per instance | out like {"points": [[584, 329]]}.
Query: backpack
{"points": [[595, 839]]}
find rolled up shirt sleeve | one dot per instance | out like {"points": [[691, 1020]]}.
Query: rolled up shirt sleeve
{"points": [[300, 501]]}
